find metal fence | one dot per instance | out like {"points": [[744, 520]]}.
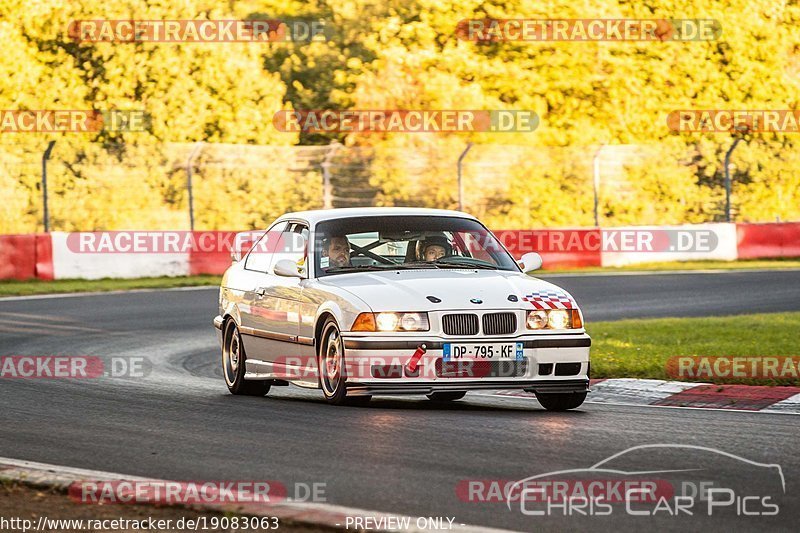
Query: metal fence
{"points": [[224, 186]]}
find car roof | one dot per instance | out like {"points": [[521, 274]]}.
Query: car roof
{"points": [[319, 215]]}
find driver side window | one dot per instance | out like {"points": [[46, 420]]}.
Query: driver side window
{"points": [[291, 245], [259, 257]]}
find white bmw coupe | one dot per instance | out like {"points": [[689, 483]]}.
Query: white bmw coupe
{"points": [[374, 301]]}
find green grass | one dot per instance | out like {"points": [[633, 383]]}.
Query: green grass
{"points": [[22, 288], [641, 348], [686, 265]]}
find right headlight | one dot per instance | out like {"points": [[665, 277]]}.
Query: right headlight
{"points": [[391, 322], [554, 319]]}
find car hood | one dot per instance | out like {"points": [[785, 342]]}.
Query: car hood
{"points": [[407, 290]]}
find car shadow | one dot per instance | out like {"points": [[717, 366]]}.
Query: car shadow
{"points": [[413, 403]]}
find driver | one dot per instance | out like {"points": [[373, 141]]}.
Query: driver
{"points": [[433, 248], [337, 248]]}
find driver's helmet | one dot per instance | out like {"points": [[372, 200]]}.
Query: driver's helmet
{"points": [[433, 240]]}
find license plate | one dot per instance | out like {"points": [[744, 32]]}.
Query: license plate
{"points": [[499, 351]]}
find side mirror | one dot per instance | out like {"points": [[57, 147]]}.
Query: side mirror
{"points": [[530, 262], [288, 269], [236, 255]]}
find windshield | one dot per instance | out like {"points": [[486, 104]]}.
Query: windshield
{"points": [[406, 242]]}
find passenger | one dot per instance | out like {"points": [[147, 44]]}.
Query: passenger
{"points": [[433, 248]]}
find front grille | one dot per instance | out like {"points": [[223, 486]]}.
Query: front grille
{"points": [[387, 371], [499, 323], [463, 324], [481, 369]]}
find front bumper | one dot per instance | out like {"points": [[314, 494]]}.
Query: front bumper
{"points": [[549, 363], [537, 386]]}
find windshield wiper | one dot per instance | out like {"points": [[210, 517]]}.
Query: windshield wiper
{"points": [[419, 264], [349, 268], [462, 264]]}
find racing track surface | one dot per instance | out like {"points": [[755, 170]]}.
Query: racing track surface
{"points": [[396, 455]]}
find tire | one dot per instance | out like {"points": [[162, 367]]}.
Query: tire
{"points": [[332, 367], [561, 401], [233, 365], [446, 396]]}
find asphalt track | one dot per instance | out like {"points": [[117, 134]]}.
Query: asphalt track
{"points": [[407, 456]]}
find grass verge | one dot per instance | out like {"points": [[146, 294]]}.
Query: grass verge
{"points": [[29, 287], [642, 348]]}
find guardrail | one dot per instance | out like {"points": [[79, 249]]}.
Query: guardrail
{"points": [[57, 255]]}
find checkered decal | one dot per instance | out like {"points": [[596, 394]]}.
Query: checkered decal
{"points": [[550, 300]]}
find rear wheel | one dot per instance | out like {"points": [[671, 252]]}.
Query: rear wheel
{"points": [[446, 396], [233, 365], [561, 401]]}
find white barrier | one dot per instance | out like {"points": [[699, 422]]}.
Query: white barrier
{"points": [[72, 264], [700, 242]]}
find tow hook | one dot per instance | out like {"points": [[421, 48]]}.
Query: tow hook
{"points": [[413, 363]]}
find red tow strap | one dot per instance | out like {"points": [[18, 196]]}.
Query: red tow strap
{"points": [[414, 361]]}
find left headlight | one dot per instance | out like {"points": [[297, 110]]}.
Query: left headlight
{"points": [[554, 319], [391, 322]]}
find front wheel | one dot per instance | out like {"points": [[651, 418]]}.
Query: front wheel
{"points": [[233, 365], [332, 368], [561, 401]]}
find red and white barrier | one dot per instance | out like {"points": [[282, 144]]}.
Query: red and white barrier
{"points": [[761, 241], [60, 255], [26, 257], [559, 248]]}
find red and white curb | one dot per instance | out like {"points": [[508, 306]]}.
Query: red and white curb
{"points": [[321, 515], [656, 392]]}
